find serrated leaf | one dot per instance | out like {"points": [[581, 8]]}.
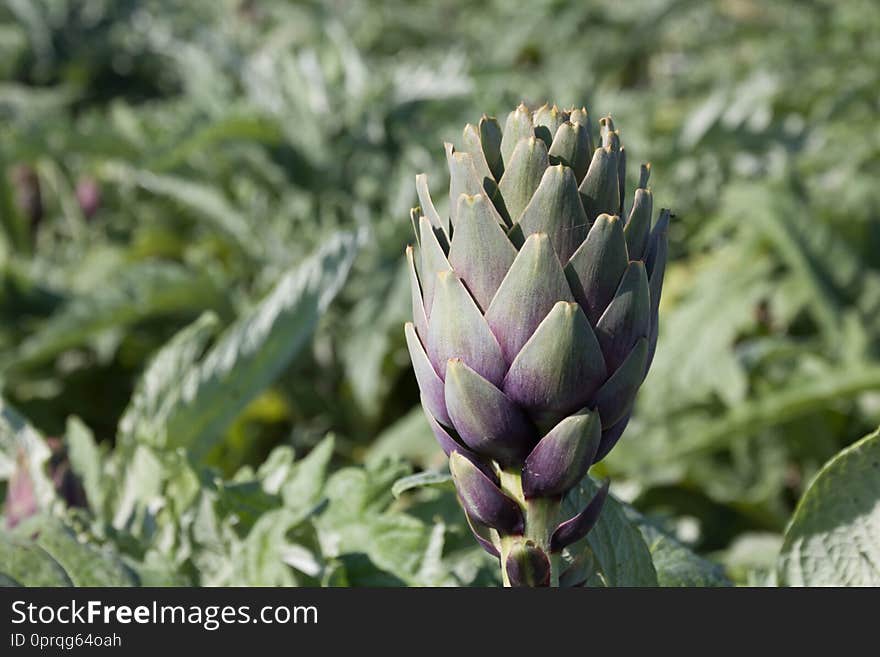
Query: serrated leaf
{"points": [[254, 350], [833, 538], [376, 545]]}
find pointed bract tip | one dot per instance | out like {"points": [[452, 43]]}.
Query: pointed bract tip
{"points": [[538, 237], [470, 199], [568, 307], [453, 366], [644, 175]]}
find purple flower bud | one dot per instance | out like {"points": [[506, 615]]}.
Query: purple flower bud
{"points": [[527, 565], [21, 500], [88, 195]]}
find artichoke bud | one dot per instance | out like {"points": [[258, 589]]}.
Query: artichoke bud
{"points": [[527, 565], [88, 195], [535, 319]]}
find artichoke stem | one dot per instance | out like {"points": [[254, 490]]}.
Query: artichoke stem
{"points": [[541, 518], [506, 544]]}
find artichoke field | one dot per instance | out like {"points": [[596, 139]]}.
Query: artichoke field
{"points": [[535, 320]]}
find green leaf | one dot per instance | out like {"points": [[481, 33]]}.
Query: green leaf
{"points": [[697, 434], [427, 478], [252, 352], [619, 553], [308, 476], [158, 391], [29, 564], [85, 564], [676, 564], [204, 200], [229, 128], [271, 553], [410, 438], [7, 581], [376, 545], [833, 538], [141, 483], [374, 327], [751, 558], [85, 459], [135, 293]]}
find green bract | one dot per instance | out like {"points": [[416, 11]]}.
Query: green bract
{"points": [[534, 322]]}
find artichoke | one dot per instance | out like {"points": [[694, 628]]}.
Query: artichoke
{"points": [[534, 323]]}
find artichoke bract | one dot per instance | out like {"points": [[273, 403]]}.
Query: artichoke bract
{"points": [[535, 307]]}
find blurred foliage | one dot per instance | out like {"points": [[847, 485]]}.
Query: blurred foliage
{"points": [[168, 168]]}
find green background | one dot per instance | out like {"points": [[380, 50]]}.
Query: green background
{"points": [[166, 159]]}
